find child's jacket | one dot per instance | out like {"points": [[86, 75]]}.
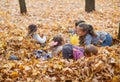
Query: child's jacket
{"points": [[69, 51], [102, 38]]}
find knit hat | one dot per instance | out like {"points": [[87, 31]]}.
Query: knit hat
{"points": [[67, 51]]}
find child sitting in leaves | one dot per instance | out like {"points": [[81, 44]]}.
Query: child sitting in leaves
{"points": [[74, 52], [32, 31], [55, 48]]}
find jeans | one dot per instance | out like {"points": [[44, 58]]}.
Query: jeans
{"points": [[107, 41]]}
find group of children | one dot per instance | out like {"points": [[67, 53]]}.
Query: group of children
{"points": [[88, 38]]}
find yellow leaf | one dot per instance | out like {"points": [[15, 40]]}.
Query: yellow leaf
{"points": [[44, 48], [43, 71], [21, 67], [35, 72], [74, 39], [9, 65], [14, 74], [57, 66], [115, 79], [20, 38], [60, 66], [2, 44]]}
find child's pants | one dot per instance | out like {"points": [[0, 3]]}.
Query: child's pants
{"points": [[107, 41]]}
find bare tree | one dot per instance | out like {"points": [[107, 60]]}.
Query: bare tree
{"points": [[119, 32], [89, 5], [23, 9]]}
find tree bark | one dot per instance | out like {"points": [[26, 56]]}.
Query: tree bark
{"points": [[89, 5], [119, 32], [23, 9]]}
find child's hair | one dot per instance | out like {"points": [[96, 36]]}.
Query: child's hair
{"points": [[58, 39], [90, 49], [67, 51], [91, 31], [88, 29], [79, 22], [32, 28]]}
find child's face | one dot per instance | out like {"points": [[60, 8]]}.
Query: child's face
{"points": [[80, 31]]}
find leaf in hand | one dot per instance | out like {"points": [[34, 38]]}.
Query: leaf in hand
{"points": [[74, 39]]}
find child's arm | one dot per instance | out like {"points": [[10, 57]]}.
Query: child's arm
{"points": [[88, 39], [39, 39], [57, 51], [72, 31]]}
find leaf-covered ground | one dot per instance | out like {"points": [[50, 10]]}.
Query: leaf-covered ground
{"points": [[56, 17]]}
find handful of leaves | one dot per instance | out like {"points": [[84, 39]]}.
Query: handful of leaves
{"points": [[74, 39]]}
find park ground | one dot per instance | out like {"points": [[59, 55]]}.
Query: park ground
{"points": [[55, 17]]}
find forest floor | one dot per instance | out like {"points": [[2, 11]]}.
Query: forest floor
{"points": [[56, 17]]}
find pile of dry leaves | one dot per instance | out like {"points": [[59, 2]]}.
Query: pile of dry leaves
{"points": [[56, 17], [103, 67]]}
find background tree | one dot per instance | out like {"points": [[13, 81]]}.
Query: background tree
{"points": [[23, 9], [119, 32], [89, 5]]}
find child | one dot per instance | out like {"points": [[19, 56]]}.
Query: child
{"points": [[56, 45], [55, 48], [88, 36], [73, 32], [32, 31], [76, 24], [74, 52], [90, 50]]}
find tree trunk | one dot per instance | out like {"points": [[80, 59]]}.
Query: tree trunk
{"points": [[23, 9], [89, 5], [119, 32]]}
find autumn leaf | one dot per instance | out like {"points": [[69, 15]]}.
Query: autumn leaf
{"points": [[14, 74], [27, 68], [21, 67], [115, 79], [43, 71], [35, 72], [9, 65], [74, 39]]}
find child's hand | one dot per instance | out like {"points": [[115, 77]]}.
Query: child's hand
{"points": [[100, 42], [41, 34], [53, 43]]}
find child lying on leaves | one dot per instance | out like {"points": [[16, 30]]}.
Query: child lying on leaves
{"points": [[74, 52], [87, 35], [55, 48], [71, 52]]}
